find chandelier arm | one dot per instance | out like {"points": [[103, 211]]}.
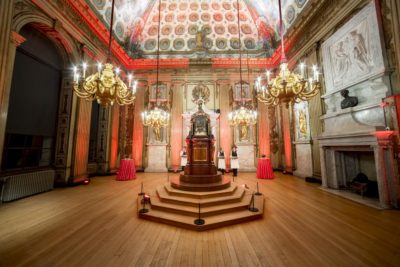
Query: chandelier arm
{"points": [[87, 84], [312, 93], [272, 92], [85, 95], [266, 100], [79, 92], [299, 89]]}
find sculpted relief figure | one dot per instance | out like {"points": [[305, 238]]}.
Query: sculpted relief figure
{"points": [[360, 51], [342, 59]]}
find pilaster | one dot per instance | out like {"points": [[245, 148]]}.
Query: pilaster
{"points": [[8, 44], [62, 148]]}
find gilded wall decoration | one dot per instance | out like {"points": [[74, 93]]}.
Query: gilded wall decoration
{"points": [[196, 90], [200, 91], [301, 121]]}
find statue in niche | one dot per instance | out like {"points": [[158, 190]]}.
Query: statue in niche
{"points": [[348, 101], [302, 123], [243, 136]]}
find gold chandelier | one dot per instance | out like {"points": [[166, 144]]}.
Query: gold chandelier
{"points": [[242, 116], [287, 86], [105, 85], [157, 118]]}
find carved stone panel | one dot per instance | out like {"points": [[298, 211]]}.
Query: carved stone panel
{"points": [[354, 52]]}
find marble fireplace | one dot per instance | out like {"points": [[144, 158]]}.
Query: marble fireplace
{"points": [[344, 156]]}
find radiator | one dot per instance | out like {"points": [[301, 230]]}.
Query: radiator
{"points": [[26, 184]]}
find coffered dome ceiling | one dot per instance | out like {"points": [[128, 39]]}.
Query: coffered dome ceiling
{"points": [[213, 22]]}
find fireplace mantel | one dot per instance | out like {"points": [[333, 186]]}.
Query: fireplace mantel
{"points": [[381, 143]]}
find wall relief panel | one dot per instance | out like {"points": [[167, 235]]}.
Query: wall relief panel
{"points": [[354, 53]]}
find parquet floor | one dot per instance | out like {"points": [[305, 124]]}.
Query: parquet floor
{"points": [[97, 225]]}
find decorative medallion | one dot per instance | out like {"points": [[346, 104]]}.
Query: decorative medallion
{"points": [[219, 29], [208, 43], [179, 30], [164, 44], [200, 91], [181, 17], [192, 29], [169, 17], [204, 6], [150, 44], [206, 29], [172, 6], [249, 43], [235, 5], [246, 29], [242, 16], [234, 43], [215, 6], [166, 30], [194, 6], [229, 16], [226, 5], [194, 17], [155, 18], [221, 43], [179, 43], [205, 17], [191, 43], [290, 14], [153, 30], [233, 29], [218, 17], [163, 6], [183, 6]]}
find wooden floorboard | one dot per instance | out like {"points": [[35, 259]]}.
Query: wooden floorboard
{"points": [[97, 225]]}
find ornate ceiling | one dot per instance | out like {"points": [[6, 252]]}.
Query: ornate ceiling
{"points": [[213, 22]]}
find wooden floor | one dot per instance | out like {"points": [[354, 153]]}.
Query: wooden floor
{"points": [[97, 225]]}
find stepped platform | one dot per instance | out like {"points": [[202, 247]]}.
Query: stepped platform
{"points": [[218, 207]]}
